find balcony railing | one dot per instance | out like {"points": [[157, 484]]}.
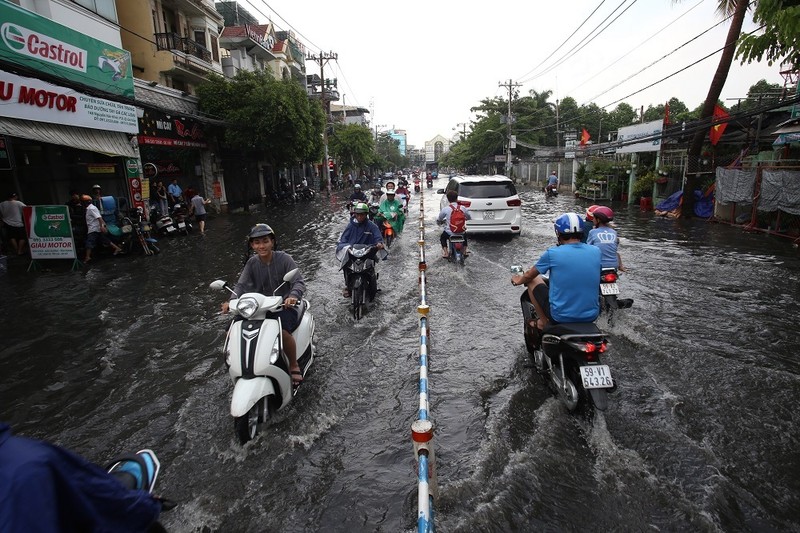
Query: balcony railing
{"points": [[174, 42]]}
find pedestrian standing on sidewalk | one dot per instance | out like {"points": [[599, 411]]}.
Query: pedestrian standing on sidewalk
{"points": [[11, 213]]}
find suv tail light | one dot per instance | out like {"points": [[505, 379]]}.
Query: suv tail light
{"points": [[514, 203]]}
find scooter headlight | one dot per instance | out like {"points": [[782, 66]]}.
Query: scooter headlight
{"points": [[276, 350], [247, 307]]}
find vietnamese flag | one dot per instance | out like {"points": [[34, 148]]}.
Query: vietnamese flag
{"points": [[584, 137], [718, 129]]}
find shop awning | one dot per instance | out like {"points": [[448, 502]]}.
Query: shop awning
{"points": [[787, 138], [111, 143]]}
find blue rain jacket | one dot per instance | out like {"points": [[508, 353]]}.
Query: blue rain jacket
{"points": [[45, 488]]}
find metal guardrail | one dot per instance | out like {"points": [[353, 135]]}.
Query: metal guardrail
{"points": [[422, 428]]}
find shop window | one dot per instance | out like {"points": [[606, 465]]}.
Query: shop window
{"points": [[105, 8]]}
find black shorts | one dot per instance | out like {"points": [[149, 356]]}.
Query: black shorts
{"points": [[200, 218], [288, 318], [16, 232]]}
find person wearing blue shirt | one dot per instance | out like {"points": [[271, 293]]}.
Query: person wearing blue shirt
{"points": [[44, 487], [360, 230], [552, 181], [574, 270], [175, 191], [605, 237]]}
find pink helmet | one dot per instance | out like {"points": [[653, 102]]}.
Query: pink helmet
{"points": [[589, 211], [603, 214]]}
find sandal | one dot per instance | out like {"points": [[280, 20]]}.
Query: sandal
{"points": [[296, 381]]}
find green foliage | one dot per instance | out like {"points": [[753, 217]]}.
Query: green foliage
{"points": [[780, 40], [274, 117], [352, 145], [643, 186]]}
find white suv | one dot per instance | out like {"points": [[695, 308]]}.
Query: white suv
{"points": [[492, 201]]}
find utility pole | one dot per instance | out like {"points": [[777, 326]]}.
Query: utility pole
{"points": [[511, 86], [322, 59]]}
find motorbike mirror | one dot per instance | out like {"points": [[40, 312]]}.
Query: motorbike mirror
{"points": [[291, 275], [217, 285]]}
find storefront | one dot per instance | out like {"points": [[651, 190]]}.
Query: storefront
{"points": [[59, 132]]}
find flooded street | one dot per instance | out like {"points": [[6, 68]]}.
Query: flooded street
{"points": [[702, 433]]}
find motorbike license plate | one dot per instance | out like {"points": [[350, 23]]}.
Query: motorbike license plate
{"points": [[609, 288], [170, 229], [181, 225], [488, 215], [596, 377]]}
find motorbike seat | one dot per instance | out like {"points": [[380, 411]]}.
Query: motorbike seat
{"points": [[576, 328]]}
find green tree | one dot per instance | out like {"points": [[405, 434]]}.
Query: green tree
{"points": [[272, 117], [780, 39], [352, 145]]}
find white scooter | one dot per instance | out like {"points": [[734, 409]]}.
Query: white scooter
{"points": [[255, 358]]}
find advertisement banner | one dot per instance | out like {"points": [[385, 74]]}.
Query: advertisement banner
{"points": [[134, 171], [49, 231], [649, 130], [160, 129], [34, 99], [38, 43]]}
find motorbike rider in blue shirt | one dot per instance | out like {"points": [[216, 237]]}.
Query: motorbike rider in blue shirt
{"points": [[574, 270], [605, 237], [44, 487], [552, 181], [360, 230]]}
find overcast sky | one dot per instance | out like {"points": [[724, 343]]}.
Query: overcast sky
{"points": [[421, 66]]}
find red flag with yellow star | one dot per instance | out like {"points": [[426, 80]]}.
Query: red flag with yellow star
{"points": [[584, 137], [718, 129]]}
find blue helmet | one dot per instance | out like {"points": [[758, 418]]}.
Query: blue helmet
{"points": [[569, 226]]}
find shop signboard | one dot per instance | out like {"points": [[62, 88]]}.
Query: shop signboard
{"points": [[35, 42], [49, 231], [135, 186], [5, 154], [160, 129], [34, 99], [650, 131]]}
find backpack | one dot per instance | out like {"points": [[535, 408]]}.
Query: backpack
{"points": [[458, 220]]}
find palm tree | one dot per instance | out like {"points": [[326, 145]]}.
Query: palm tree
{"points": [[736, 8]]}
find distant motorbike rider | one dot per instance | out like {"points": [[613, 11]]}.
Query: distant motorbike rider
{"points": [[552, 182], [263, 273], [574, 269], [358, 195], [605, 237], [392, 210], [360, 230], [444, 218], [403, 195]]}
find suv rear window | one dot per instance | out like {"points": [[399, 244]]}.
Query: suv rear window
{"points": [[487, 189]]}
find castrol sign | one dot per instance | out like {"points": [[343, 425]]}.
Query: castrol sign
{"points": [[38, 43], [39, 46]]}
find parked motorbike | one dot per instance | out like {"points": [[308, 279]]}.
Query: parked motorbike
{"points": [[141, 237], [455, 246], [568, 357], [180, 217], [609, 301], [257, 364], [303, 193], [358, 261], [163, 223]]}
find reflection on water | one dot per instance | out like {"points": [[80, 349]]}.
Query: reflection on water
{"points": [[700, 434]]}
